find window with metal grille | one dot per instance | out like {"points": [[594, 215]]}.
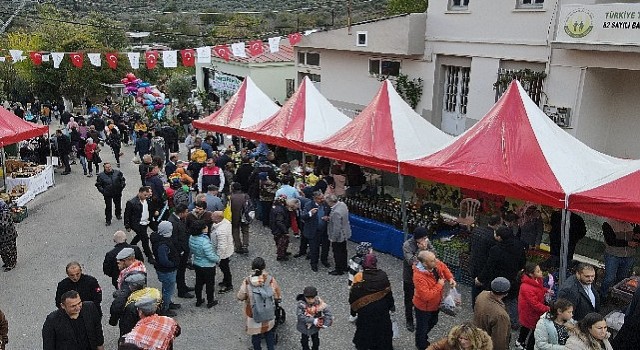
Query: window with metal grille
{"points": [[531, 81], [456, 88], [458, 5], [525, 4]]}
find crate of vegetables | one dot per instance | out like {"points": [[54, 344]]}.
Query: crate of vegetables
{"points": [[19, 213], [625, 289]]}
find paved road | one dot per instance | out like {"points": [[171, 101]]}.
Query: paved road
{"points": [[66, 223]]}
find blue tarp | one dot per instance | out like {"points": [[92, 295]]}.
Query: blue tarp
{"points": [[384, 238]]}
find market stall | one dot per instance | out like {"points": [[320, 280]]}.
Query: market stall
{"points": [[28, 181]]}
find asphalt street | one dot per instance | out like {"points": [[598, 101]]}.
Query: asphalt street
{"points": [[66, 224]]}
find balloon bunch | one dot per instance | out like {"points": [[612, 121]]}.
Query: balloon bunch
{"points": [[146, 95]]}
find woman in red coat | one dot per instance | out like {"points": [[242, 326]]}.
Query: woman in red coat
{"points": [[530, 304]]}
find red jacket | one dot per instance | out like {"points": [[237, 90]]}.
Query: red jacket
{"points": [[428, 293], [531, 301]]}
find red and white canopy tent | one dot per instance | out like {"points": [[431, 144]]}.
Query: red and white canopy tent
{"points": [[14, 129], [516, 150], [385, 133], [247, 107], [306, 117]]}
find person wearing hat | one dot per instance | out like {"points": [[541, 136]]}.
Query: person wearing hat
{"points": [[152, 331], [128, 264], [167, 261], [410, 249], [122, 298], [74, 325], [313, 314], [429, 277], [490, 313], [110, 263], [372, 300]]}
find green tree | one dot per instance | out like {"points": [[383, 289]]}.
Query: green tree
{"points": [[395, 7], [179, 87]]}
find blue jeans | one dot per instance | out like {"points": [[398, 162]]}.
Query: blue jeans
{"points": [[270, 338], [615, 270], [425, 321], [168, 280]]}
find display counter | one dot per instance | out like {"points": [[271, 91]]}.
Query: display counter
{"points": [[384, 238], [35, 184]]}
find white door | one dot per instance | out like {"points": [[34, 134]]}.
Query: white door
{"points": [[454, 106]]}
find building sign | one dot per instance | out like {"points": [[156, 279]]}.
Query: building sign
{"points": [[615, 24], [226, 84]]}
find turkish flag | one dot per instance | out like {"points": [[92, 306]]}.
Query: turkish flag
{"points": [[223, 51], [112, 60], [188, 57], [36, 58], [152, 59], [255, 47], [76, 59], [294, 38]]}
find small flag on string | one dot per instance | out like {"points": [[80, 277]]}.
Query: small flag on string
{"points": [[152, 59], [16, 55], [223, 52], [95, 59], [274, 44], [112, 60], [238, 49], [45, 58], [57, 58], [76, 59], [3, 59], [36, 57], [134, 59], [294, 38], [189, 57], [204, 54], [170, 59], [255, 48]]}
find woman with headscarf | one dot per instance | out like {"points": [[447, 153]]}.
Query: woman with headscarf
{"points": [[371, 298], [8, 235], [92, 152]]}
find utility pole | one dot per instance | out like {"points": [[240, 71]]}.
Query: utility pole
{"points": [[6, 24], [349, 17]]}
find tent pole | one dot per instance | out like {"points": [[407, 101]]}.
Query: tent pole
{"points": [[564, 245], [4, 169], [403, 206], [53, 173]]}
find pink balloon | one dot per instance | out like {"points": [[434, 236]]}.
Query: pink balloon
{"points": [[139, 99], [158, 107], [142, 90]]}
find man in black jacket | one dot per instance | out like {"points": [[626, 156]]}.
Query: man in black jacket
{"points": [[180, 238], [581, 292], [110, 263], [64, 148], [75, 325], [138, 213], [167, 261], [315, 216], [244, 173], [87, 286], [481, 242], [110, 183]]}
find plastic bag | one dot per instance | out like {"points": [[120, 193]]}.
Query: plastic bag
{"points": [[394, 326], [227, 211], [451, 302]]}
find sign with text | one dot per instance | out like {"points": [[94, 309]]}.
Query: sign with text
{"points": [[615, 24], [226, 83]]}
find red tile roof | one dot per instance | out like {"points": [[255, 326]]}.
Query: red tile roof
{"points": [[284, 55]]}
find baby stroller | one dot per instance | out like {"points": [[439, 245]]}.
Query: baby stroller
{"points": [[281, 317]]}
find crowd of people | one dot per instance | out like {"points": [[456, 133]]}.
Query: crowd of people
{"points": [[201, 210]]}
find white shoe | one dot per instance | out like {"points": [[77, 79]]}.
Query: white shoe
{"points": [[352, 319]]}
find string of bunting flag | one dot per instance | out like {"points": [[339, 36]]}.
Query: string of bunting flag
{"points": [[189, 57]]}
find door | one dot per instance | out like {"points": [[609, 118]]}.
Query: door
{"points": [[455, 94]]}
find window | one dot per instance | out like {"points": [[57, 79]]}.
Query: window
{"points": [[309, 58], [532, 82], [527, 4], [290, 86], [456, 89], [313, 77], [456, 5], [384, 67], [361, 39]]}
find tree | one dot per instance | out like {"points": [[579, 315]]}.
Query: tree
{"points": [[179, 87], [396, 7]]}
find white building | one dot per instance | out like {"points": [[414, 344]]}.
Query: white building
{"points": [[347, 63], [274, 73]]}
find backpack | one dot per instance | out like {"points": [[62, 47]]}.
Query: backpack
{"points": [[263, 306], [248, 211]]}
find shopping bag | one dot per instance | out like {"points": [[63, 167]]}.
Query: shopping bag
{"points": [[227, 211], [394, 326], [451, 302]]}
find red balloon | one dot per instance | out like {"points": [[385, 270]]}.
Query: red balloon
{"points": [[124, 80], [131, 76]]}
